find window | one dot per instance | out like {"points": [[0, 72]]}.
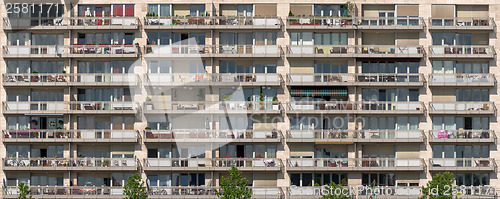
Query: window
{"points": [[196, 9], [15, 66], [380, 179], [306, 179], [161, 10], [451, 38], [18, 39], [455, 123], [391, 123], [472, 179], [475, 95], [398, 94], [309, 122], [327, 10], [460, 151], [106, 38], [46, 39], [330, 38], [244, 10], [161, 66], [389, 67], [159, 38], [114, 94], [329, 68], [301, 38], [246, 67], [177, 179]]}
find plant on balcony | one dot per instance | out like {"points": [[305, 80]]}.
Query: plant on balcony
{"points": [[63, 71], [24, 191], [349, 6], [234, 186], [261, 98], [331, 192], [34, 71], [434, 188], [290, 14], [135, 188]]}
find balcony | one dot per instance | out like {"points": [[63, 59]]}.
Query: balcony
{"points": [[60, 135], [82, 107], [463, 79], [317, 22], [34, 51], [389, 51], [212, 107], [249, 51], [212, 164], [214, 79], [218, 22], [350, 136], [459, 136], [487, 108], [103, 51], [208, 191], [474, 23], [462, 164], [104, 23], [70, 79], [355, 164], [162, 51], [465, 52], [352, 107], [35, 23], [64, 191], [202, 135], [64, 164], [321, 51], [363, 79], [402, 23]]}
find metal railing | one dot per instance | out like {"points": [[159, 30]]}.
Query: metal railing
{"points": [[461, 50], [213, 77], [249, 50], [103, 49], [59, 134], [321, 21], [355, 162], [462, 135], [462, 162], [213, 105], [213, 134], [462, 106], [28, 22], [69, 78], [390, 21], [103, 21], [212, 162], [347, 77], [35, 50], [355, 105], [320, 49], [164, 50], [462, 78], [65, 190], [357, 134], [390, 77], [69, 162], [217, 21], [65, 105], [462, 22], [390, 50], [208, 190]]}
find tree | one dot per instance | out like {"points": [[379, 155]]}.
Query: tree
{"points": [[331, 192], [24, 191], [438, 185], [234, 186], [135, 188]]}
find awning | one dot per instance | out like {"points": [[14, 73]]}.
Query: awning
{"points": [[318, 92]]}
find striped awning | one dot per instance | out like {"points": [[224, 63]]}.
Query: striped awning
{"points": [[318, 92]]}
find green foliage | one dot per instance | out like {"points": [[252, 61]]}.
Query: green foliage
{"points": [[290, 14], [438, 182], [275, 98], [135, 188], [226, 96], [331, 192], [234, 186], [343, 182], [261, 97], [349, 6], [24, 191]]}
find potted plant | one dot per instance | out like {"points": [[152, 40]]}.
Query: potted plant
{"points": [[149, 134], [149, 105], [249, 105], [275, 104], [201, 98], [225, 97]]}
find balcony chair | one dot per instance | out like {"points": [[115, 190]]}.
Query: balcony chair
{"points": [[484, 108]]}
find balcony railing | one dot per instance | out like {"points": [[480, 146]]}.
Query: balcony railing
{"points": [[61, 135], [460, 50], [213, 162], [355, 162], [461, 163], [120, 22], [391, 21], [32, 22], [190, 134], [103, 49], [264, 50], [69, 162], [177, 50], [182, 78], [364, 77], [359, 135], [466, 107], [326, 50], [467, 135], [390, 77], [64, 78], [209, 190], [472, 79], [350, 105], [51, 191], [461, 22], [41, 50], [212, 105], [317, 21], [385, 50], [61, 106], [219, 21]]}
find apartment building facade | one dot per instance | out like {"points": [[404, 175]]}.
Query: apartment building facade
{"points": [[295, 94]]}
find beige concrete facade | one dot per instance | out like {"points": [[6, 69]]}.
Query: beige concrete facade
{"points": [[394, 150]]}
